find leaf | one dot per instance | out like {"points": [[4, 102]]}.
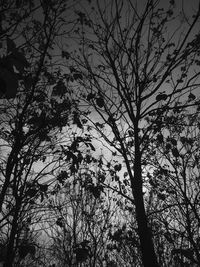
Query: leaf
{"points": [[82, 17], [100, 102], [101, 177], [88, 159], [160, 138], [99, 125], [43, 187], [161, 196], [117, 235], [76, 120], [131, 133], [11, 46], [31, 249], [116, 178], [168, 236], [81, 254], [72, 69], [118, 167], [175, 152], [168, 146], [161, 96], [183, 140], [91, 46], [8, 83], [62, 176], [31, 192], [65, 54], [101, 67], [78, 76], [23, 251], [125, 174], [59, 222], [90, 96], [26, 249], [59, 89], [173, 141], [18, 60], [82, 250], [95, 190], [170, 12], [191, 97]]}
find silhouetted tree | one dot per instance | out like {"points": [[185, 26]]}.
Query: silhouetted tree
{"points": [[133, 66], [175, 188], [35, 105], [80, 214]]}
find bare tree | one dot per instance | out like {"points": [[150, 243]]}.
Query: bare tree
{"points": [[135, 66], [80, 214]]}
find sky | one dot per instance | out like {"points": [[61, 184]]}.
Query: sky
{"points": [[184, 8]]}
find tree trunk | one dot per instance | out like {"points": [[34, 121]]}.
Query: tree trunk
{"points": [[146, 243], [149, 258], [12, 160], [10, 249]]}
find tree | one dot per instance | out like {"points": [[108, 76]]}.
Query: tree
{"points": [[134, 69], [175, 182], [35, 106], [79, 216]]}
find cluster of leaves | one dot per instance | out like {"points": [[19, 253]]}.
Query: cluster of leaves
{"points": [[12, 66]]}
